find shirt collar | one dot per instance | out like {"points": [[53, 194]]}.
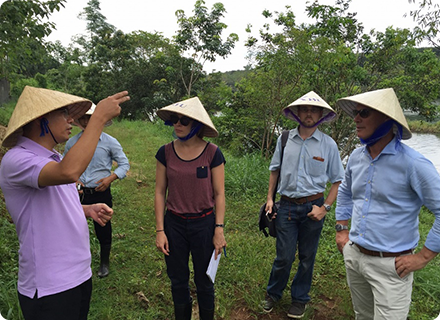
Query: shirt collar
{"points": [[41, 151], [317, 134], [390, 148]]}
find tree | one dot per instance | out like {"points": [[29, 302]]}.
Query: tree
{"points": [[201, 36], [21, 24], [320, 57], [427, 17], [99, 32], [333, 57]]}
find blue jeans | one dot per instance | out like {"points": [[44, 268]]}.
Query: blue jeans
{"points": [[187, 236], [294, 229]]}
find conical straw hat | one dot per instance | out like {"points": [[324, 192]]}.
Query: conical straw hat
{"points": [[383, 100], [89, 113], [310, 99], [193, 109], [36, 102]]}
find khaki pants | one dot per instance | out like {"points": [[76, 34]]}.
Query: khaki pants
{"points": [[377, 292]]}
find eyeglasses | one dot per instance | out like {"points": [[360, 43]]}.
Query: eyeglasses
{"points": [[309, 109], [64, 112], [184, 121], [363, 113]]}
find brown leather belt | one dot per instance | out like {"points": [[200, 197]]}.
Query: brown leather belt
{"points": [[383, 254], [303, 199]]}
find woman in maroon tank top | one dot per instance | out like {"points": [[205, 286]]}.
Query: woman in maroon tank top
{"points": [[190, 204]]}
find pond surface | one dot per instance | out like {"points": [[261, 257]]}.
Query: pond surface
{"points": [[428, 145]]}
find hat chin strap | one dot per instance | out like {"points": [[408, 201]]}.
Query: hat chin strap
{"points": [[44, 125], [328, 117], [195, 128], [382, 131]]}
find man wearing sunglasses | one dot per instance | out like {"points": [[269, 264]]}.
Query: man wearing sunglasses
{"points": [[386, 183], [311, 159]]}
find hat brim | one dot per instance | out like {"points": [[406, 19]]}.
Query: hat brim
{"points": [[350, 104], [310, 99], [89, 113], [208, 130], [36, 102], [192, 108]]}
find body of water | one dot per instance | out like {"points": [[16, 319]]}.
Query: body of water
{"points": [[428, 145]]}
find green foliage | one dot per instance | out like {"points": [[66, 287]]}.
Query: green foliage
{"points": [[18, 86], [332, 57], [247, 177], [201, 36], [427, 17], [423, 126], [6, 110], [301, 58], [21, 30]]}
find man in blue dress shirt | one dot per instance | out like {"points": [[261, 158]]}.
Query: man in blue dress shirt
{"points": [[385, 185], [96, 180], [311, 159]]}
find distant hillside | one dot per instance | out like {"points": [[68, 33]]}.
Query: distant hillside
{"points": [[232, 77], [436, 50]]}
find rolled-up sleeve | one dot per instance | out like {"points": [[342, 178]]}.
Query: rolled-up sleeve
{"points": [[121, 159], [276, 159]]}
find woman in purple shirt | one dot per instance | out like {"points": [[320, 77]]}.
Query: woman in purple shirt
{"points": [[192, 171]]}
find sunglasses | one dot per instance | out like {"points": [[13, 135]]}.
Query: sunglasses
{"points": [[184, 121], [363, 113]]}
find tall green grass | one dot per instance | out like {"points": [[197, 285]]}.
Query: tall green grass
{"points": [[423, 126], [138, 286]]}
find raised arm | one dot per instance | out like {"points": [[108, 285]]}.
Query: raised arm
{"points": [[77, 159]]}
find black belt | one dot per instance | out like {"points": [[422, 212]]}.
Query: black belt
{"points": [[88, 190], [303, 199], [383, 254]]}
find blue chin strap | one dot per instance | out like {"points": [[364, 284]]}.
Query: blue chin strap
{"points": [[328, 117], [44, 125], [194, 129], [383, 130]]}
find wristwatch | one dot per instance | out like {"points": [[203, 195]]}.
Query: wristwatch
{"points": [[327, 207], [340, 227]]}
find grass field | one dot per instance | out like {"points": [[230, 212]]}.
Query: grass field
{"points": [[138, 287]]}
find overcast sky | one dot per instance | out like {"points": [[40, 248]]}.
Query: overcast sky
{"points": [[159, 15]]}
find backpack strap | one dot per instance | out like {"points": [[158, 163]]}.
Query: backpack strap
{"points": [[284, 137]]}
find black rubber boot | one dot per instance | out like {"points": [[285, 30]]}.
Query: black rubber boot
{"points": [[104, 267], [183, 311], [206, 314]]}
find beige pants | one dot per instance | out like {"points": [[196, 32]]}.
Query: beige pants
{"points": [[377, 292]]}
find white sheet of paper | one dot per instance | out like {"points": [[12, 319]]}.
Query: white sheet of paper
{"points": [[213, 265]]}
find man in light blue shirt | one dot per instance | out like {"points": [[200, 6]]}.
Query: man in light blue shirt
{"points": [[311, 159], [96, 180], [385, 185]]}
